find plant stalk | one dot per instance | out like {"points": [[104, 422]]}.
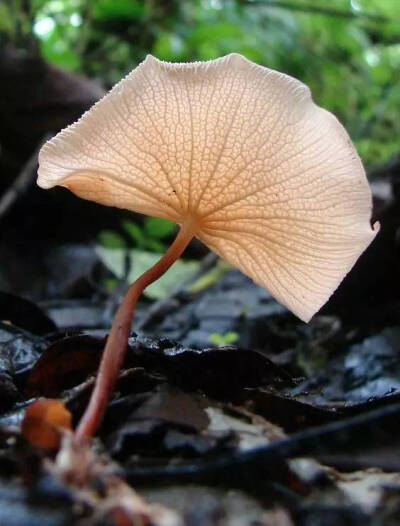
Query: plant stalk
{"points": [[117, 341]]}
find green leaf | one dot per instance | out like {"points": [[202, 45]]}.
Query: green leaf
{"points": [[109, 9], [135, 232], [211, 277], [6, 20], [154, 245], [111, 240], [141, 261], [215, 32], [170, 47], [111, 284], [158, 228], [58, 48], [227, 338]]}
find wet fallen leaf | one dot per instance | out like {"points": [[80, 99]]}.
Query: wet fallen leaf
{"points": [[367, 488], [24, 314], [64, 364]]}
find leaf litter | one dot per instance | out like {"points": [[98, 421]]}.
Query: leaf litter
{"points": [[214, 418]]}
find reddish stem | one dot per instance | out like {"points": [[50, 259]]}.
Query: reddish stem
{"points": [[117, 341]]}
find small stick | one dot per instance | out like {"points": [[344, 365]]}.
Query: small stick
{"points": [[117, 341], [22, 182]]}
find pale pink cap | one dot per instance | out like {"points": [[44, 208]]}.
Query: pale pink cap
{"points": [[273, 179]]}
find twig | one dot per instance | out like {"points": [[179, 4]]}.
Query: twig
{"points": [[313, 441], [21, 183], [356, 461]]}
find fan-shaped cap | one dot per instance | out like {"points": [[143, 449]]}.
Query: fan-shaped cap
{"points": [[272, 179]]}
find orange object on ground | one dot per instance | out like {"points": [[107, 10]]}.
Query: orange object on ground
{"points": [[43, 421]]}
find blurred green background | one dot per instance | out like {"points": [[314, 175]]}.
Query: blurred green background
{"points": [[347, 51]]}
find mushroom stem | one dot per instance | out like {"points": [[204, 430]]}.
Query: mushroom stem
{"points": [[117, 341]]}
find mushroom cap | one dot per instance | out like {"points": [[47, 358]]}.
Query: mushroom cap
{"points": [[272, 179]]}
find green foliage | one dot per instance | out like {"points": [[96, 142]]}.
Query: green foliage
{"points": [[57, 48], [179, 273], [227, 338], [146, 237], [211, 277], [111, 240], [347, 51], [110, 284], [158, 228], [117, 9], [135, 232], [6, 23]]}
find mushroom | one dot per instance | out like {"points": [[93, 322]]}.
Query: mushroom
{"points": [[240, 157], [44, 422]]}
